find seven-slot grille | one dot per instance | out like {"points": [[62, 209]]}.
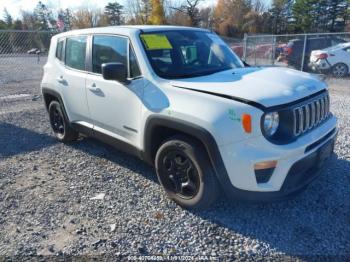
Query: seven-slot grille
{"points": [[310, 114]]}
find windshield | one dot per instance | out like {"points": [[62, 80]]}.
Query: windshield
{"points": [[187, 53]]}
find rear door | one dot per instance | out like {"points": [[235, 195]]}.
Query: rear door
{"points": [[115, 107], [71, 80]]}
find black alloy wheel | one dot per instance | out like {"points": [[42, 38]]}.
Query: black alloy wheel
{"points": [[186, 174], [181, 176]]}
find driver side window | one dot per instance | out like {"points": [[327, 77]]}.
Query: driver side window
{"points": [[107, 49]]}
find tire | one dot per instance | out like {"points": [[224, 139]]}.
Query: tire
{"points": [[185, 172], [340, 70], [60, 124]]}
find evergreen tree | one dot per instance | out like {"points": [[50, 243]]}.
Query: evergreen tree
{"points": [[280, 15], [67, 19], [17, 24], [303, 15], [7, 19], [320, 15], [3, 25], [114, 12], [44, 17], [337, 14]]}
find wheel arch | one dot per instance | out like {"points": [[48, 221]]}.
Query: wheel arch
{"points": [[50, 95], [159, 128]]}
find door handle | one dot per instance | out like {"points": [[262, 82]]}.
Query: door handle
{"points": [[94, 88], [61, 80]]}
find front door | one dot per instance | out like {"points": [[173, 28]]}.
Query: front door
{"points": [[115, 107]]}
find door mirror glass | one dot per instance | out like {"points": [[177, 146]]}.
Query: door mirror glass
{"points": [[114, 71]]}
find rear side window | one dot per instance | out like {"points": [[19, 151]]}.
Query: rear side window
{"points": [[76, 52], [317, 44], [60, 50], [107, 49]]}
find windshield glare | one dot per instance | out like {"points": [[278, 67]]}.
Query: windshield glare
{"points": [[187, 53]]}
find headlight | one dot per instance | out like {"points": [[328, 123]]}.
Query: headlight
{"points": [[270, 124]]}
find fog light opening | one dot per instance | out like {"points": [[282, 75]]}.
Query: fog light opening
{"points": [[264, 170]]}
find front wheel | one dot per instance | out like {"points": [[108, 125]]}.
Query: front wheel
{"points": [[340, 70], [184, 170]]}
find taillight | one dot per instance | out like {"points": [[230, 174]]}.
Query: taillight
{"points": [[288, 50], [322, 56]]}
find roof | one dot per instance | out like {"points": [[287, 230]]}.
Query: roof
{"points": [[157, 27], [129, 29], [345, 44]]}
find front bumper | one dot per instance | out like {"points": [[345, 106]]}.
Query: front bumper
{"points": [[298, 164]]}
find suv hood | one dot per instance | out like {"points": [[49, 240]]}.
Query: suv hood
{"points": [[268, 86]]}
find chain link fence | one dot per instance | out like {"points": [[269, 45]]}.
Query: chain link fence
{"points": [[299, 51], [23, 53], [22, 56]]}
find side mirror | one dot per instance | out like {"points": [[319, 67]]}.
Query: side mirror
{"points": [[114, 71]]}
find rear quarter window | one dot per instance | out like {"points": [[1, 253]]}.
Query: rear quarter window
{"points": [[60, 50]]}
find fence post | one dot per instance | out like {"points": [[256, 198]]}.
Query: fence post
{"points": [[255, 51], [273, 50], [245, 47], [304, 50]]}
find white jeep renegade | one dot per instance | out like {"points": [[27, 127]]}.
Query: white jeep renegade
{"points": [[180, 99]]}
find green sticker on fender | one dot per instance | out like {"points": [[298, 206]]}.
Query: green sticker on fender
{"points": [[156, 42], [232, 115]]}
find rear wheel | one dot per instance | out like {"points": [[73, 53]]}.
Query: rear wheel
{"points": [[340, 70], [60, 124], [184, 170]]}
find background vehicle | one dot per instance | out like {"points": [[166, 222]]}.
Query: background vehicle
{"points": [[293, 52], [335, 60], [33, 51], [238, 49]]}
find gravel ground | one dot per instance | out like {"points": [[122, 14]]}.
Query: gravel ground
{"points": [[46, 207]]}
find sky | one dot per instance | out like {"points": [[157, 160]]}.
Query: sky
{"points": [[14, 7]]}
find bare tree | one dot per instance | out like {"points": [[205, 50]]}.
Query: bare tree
{"points": [[139, 11], [206, 16], [190, 8], [86, 18]]}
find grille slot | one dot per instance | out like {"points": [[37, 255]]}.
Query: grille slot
{"points": [[310, 114]]}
